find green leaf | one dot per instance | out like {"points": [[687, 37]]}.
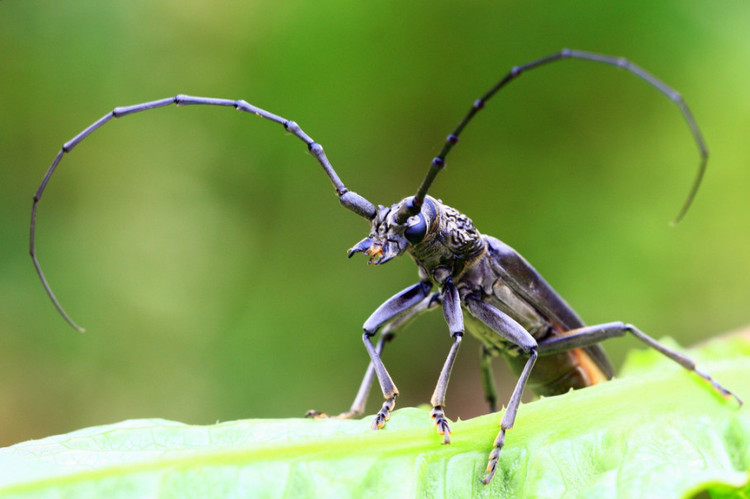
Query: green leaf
{"points": [[658, 431]]}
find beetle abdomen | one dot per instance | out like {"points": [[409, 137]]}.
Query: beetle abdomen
{"points": [[552, 374], [559, 373]]}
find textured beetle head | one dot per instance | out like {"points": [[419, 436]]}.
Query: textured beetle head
{"points": [[388, 238]]}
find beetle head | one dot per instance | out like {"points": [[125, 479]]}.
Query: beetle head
{"points": [[390, 238]]}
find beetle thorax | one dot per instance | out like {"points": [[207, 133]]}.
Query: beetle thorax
{"points": [[452, 241]]}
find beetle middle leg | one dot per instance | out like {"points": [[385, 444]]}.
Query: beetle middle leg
{"points": [[454, 317], [488, 379], [590, 335]]}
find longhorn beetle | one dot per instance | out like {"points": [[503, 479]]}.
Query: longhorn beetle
{"points": [[484, 286]]}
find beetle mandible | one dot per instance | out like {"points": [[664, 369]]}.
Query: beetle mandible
{"points": [[484, 286]]}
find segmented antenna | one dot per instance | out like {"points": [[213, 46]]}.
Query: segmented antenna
{"points": [[350, 200], [438, 163]]}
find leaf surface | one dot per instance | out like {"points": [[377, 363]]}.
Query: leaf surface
{"points": [[658, 432]]}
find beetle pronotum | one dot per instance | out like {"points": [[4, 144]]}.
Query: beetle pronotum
{"points": [[484, 286]]}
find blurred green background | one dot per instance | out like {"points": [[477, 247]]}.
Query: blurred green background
{"points": [[205, 252]]}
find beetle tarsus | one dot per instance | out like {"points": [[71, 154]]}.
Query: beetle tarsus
{"points": [[313, 414], [350, 414], [384, 414], [727, 394], [494, 457], [441, 422]]}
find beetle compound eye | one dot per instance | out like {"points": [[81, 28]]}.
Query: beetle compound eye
{"points": [[416, 229]]}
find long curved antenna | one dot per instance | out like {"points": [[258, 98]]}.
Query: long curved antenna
{"points": [[438, 163], [350, 200]]}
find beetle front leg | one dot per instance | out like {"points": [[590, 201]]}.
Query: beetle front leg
{"points": [[358, 406], [388, 311], [387, 334], [390, 392], [360, 400], [590, 335]]}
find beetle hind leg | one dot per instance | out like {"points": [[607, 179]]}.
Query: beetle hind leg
{"points": [[509, 417], [591, 335], [715, 384], [683, 360]]}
